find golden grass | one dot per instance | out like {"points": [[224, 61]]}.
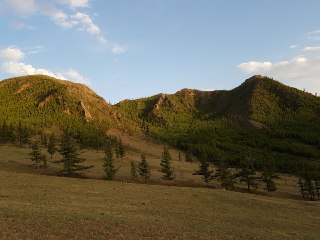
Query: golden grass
{"points": [[34, 205]]}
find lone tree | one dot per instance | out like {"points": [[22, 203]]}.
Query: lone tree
{"points": [[108, 166], [204, 170], [121, 149], [166, 169], [51, 148], [69, 151], [247, 174], [189, 157], [22, 134], [268, 176], [144, 169], [223, 173], [36, 156], [133, 171]]}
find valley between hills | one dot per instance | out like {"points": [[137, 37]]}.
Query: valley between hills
{"points": [[238, 164]]}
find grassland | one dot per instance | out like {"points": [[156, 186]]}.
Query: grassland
{"points": [[36, 204]]}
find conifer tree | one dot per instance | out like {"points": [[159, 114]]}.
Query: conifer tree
{"points": [[166, 169], [44, 140], [22, 134], [70, 155], [133, 171], [301, 187], [207, 174], [121, 149], [189, 156], [317, 188], [108, 166], [36, 156], [44, 161], [52, 145], [144, 169], [223, 173], [268, 177], [247, 174]]}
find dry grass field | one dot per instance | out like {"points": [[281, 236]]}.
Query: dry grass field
{"points": [[36, 204]]}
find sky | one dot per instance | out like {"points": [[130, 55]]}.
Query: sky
{"points": [[127, 49]]}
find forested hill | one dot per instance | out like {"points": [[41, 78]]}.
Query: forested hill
{"points": [[43, 103], [261, 119]]}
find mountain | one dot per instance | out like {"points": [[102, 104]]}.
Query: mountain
{"points": [[261, 119]]}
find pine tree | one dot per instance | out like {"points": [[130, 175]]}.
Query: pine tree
{"points": [[22, 134], [268, 177], [36, 156], [52, 145], [301, 187], [207, 174], [189, 156], [133, 171], [44, 140], [165, 164], [247, 174], [223, 173], [108, 166], [144, 169], [121, 149], [317, 188], [69, 151], [44, 161]]}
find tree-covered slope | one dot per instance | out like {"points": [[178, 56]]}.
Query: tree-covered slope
{"points": [[261, 119], [44, 99], [41, 102]]}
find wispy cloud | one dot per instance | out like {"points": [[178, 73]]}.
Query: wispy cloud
{"points": [[64, 13], [85, 23], [294, 46], [11, 62], [118, 49], [312, 49], [313, 35]]}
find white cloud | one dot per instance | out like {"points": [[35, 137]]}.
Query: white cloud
{"points": [[253, 66], [75, 76], [20, 69], [301, 72], [62, 12], [294, 46], [312, 49], [314, 35], [10, 63], [117, 49], [11, 54], [75, 3], [21, 8], [86, 23]]}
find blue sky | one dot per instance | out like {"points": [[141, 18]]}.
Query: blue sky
{"points": [[137, 48]]}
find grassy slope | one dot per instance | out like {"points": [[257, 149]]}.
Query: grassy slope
{"points": [[37, 206]]}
